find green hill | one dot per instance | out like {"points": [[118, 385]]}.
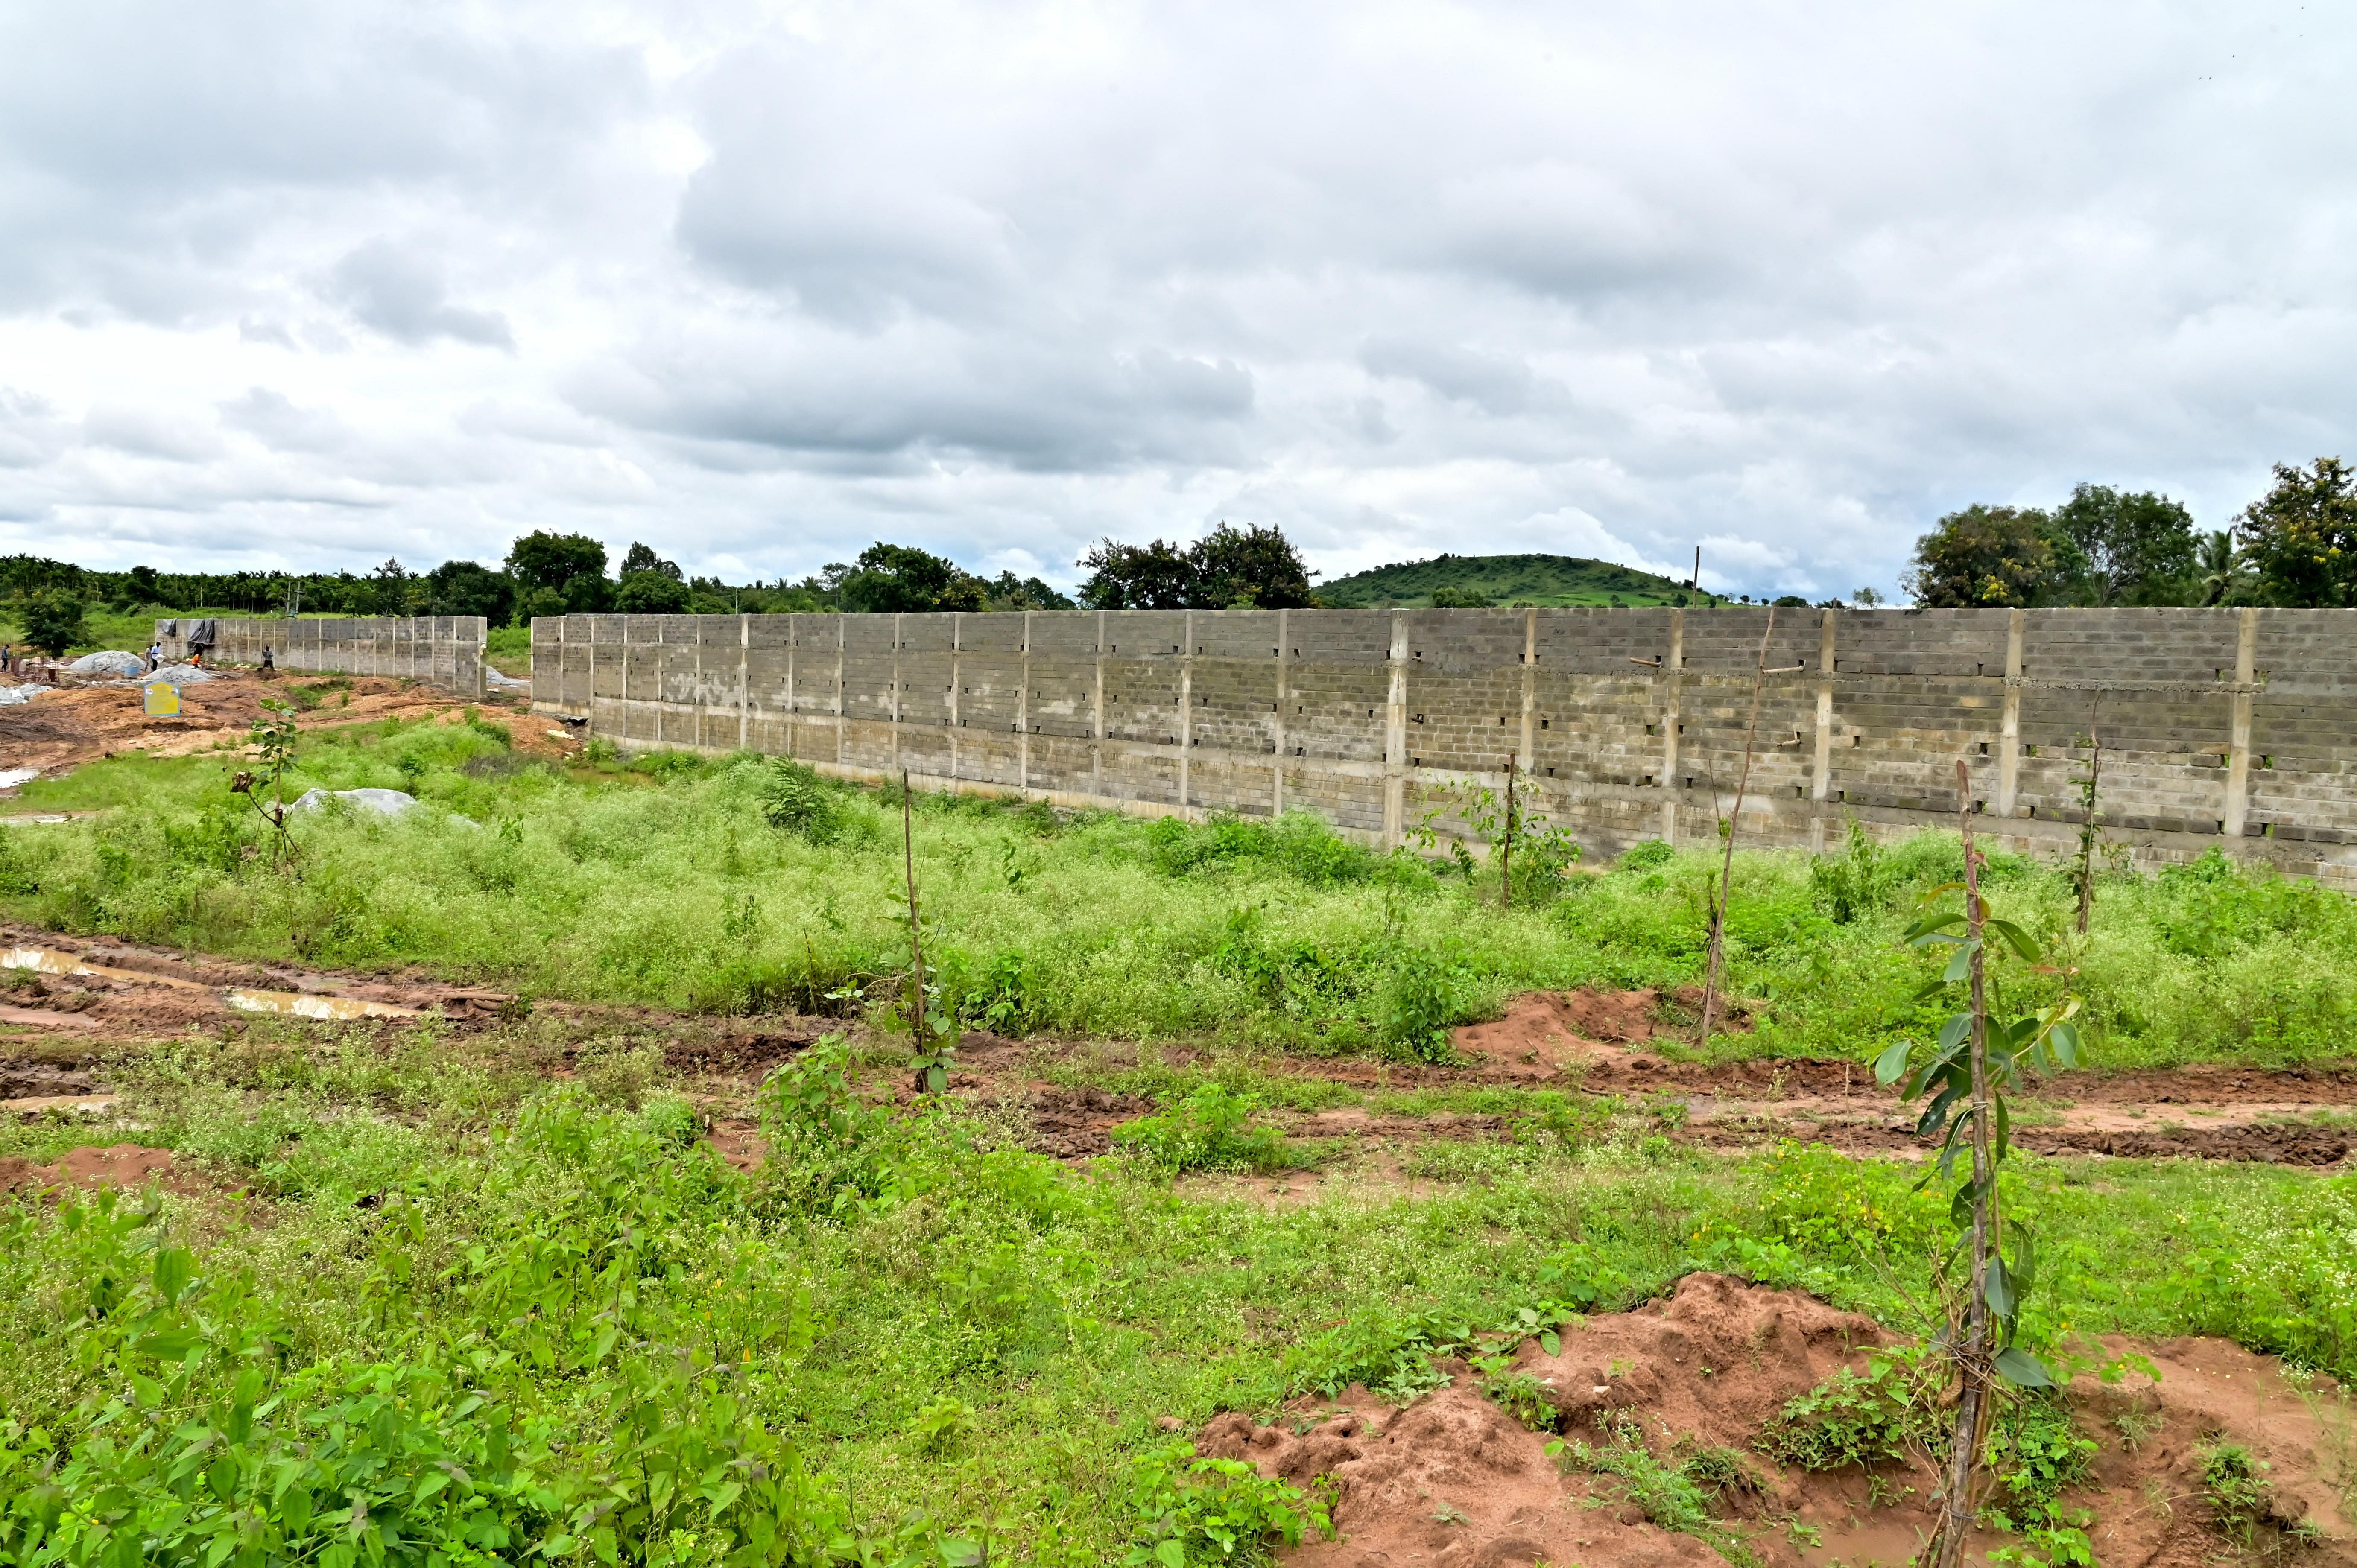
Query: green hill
{"points": [[1501, 580]]}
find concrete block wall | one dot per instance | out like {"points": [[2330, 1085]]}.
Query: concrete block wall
{"points": [[443, 650], [2219, 727]]}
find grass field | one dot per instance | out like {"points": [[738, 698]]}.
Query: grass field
{"points": [[902, 1334], [420, 1296], [664, 882]]}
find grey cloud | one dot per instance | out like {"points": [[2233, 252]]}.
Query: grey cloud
{"points": [[151, 432], [404, 296], [1495, 383], [273, 419], [1609, 277], [32, 431]]}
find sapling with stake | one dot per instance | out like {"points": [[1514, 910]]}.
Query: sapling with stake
{"points": [[928, 1027], [1975, 1063], [2088, 832], [273, 738], [1726, 869]]}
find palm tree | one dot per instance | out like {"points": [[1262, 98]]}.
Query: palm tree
{"points": [[2221, 568]]}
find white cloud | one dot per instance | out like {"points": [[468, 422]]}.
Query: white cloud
{"points": [[760, 285]]}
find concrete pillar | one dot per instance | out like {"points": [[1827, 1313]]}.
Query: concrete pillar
{"points": [[1186, 714], [1096, 715], [1673, 690], [2238, 758], [895, 689], [793, 713], [1396, 740], [1023, 713], [744, 682], [2008, 743], [1821, 780], [957, 677], [1526, 749], [1277, 774], [840, 632]]}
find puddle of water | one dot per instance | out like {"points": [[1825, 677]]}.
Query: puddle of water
{"points": [[307, 1005], [22, 822], [50, 961], [11, 778]]}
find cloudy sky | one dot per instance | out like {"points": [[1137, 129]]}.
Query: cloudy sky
{"points": [[304, 284]]}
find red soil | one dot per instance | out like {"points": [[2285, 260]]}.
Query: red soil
{"points": [[1453, 1479]]}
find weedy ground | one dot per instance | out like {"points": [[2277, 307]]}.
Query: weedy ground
{"points": [[740, 884], [414, 1294]]}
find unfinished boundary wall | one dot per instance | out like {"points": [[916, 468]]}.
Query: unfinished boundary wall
{"points": [[2219, 727], [443, 650]]}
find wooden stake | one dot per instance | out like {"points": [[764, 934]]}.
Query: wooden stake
{"points": [[1973, 1405], [1726, 870], [1506, 858], [916, 933]]}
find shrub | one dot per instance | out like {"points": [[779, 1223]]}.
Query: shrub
{"points": [[1207, 1131], [795, 799], [1426, 992], [1853, 1420], [1193, 1511]]}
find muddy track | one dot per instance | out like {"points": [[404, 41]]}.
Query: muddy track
{"points": [[71, 1005]]}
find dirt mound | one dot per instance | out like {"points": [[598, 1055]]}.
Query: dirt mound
{"points": [[1692, 1380], [121, 1164], [75, 725], [1072, 1123]]}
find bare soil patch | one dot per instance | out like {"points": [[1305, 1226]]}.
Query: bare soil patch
{"points": [[1452, 1478], [64, 728]]}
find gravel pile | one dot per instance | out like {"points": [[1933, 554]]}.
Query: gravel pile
{"points": [[24, 693], [109, 661], [389, 803], [178, 675]]}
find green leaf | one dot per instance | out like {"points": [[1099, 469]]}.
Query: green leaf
{"points": [[2014, 938], [1954, 1031], [168, 1344], [173, 1267], [2025, 1260], [1551, 1342], [2004, 1127], [1891, 1064], [1170, 1554], [295, 1510], [1996, 1290], [2063, 1037], [1960, 965], [430, 1483], [2018, 1365], [1931, 925]]}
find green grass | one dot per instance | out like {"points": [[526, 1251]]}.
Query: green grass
{"points": [[553, 1295], [509, 648], [664, 882], [1503, 580]]}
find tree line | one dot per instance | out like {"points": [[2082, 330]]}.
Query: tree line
{"points": [[2295, 547], [547, 574]]}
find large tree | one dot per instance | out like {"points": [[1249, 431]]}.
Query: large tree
{"points": [[1249, 568], [464, 588], [52, 619], [543, 560], [901, 579], [1982, 556], [2130, 548], [1228, 568], [2299, 540], [651, 594], [642, 558]]}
